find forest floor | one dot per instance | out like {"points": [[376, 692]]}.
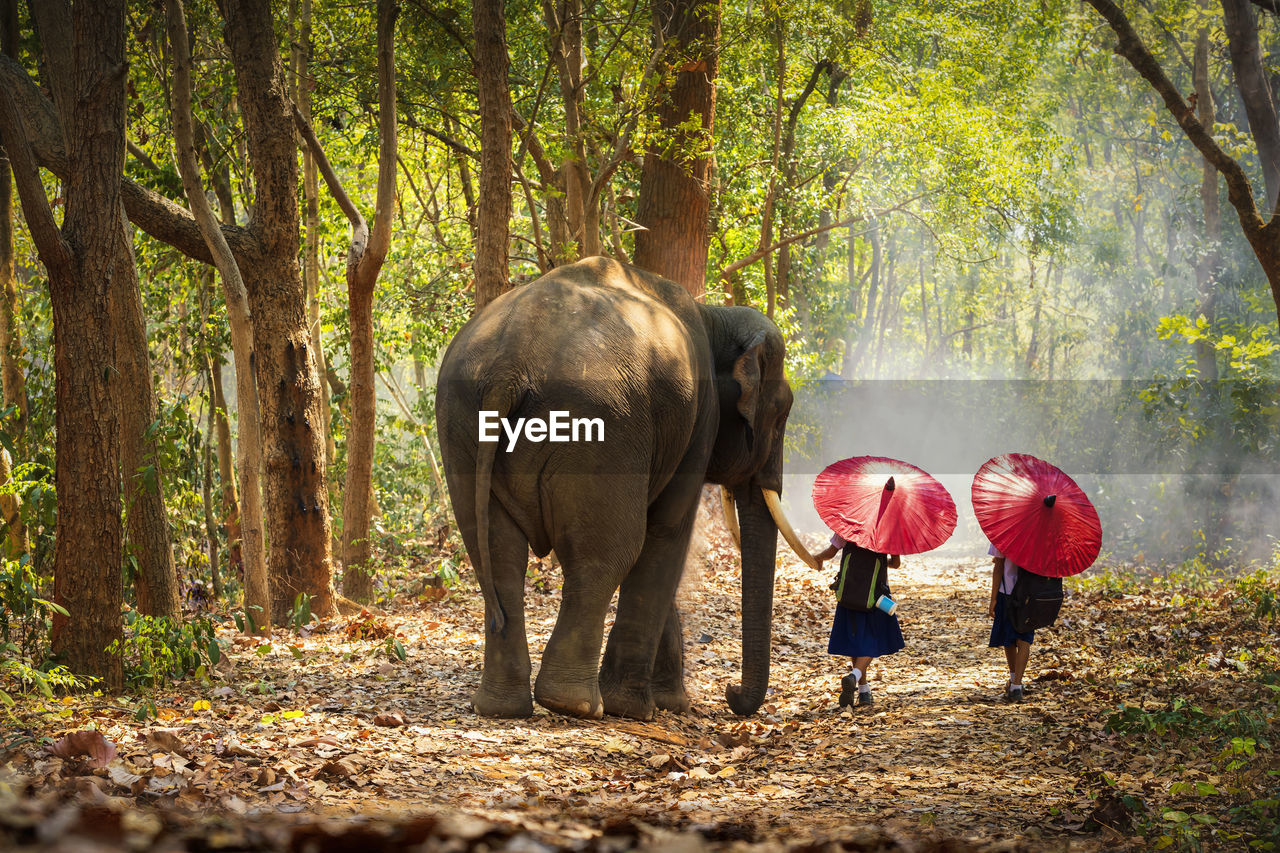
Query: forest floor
{"points": [[1125, 739]]}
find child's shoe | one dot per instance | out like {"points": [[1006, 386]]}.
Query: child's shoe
{"points": [[1013, 693], [848, 691], [864, 698]]}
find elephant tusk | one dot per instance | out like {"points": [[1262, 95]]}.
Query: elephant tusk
{"points": [[774, 502], [730, 515]]}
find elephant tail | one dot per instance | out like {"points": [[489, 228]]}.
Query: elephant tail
{"points": [[485, 455]]}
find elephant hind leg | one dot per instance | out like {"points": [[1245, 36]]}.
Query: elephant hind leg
{"points": [[504, 682], [668, 669], [595, 558]]}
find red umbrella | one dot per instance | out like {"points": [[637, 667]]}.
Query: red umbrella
{"points": [[888, 506], [1036, 515]]}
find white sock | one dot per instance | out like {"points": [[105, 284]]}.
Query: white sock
{"points": [[856, 674], [1015, 685], [864, 688]]}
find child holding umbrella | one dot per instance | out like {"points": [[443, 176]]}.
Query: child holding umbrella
{"points": [[1016, 644], [861, 634], [1042, 528], [878, 508]]}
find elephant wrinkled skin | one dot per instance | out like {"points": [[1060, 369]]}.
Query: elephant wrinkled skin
{"points": [[687, 394]]}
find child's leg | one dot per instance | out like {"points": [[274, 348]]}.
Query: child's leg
{"points": [[860, 666], [1010, 656], [1018, 662]]}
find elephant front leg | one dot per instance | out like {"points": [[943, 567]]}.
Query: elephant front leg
{"points": [[504, 682]]}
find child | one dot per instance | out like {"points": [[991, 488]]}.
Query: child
{"points": [[861, 634], [1017, 645]]}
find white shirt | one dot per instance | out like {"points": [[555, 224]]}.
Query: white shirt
{"points": [[1010, 570]]}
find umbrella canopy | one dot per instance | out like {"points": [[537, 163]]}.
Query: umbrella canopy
{"points": [[888, 506], [1036, 515]]}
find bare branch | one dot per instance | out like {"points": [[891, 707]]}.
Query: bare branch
{"points": [[54, 250], [359, 228]]}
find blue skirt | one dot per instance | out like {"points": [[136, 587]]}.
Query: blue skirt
{"points": [[864, 635], [1002, 633]]}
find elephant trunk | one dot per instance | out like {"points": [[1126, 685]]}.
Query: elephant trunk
{"points": [[759, 557]]}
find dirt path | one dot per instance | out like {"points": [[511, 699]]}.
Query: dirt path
{"points": [[938, 751], [307, 725]]}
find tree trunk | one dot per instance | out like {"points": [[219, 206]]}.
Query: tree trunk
{"points": [[673, 205], [1262, 231], [206, 486], [1251, 79], [226, 468], [493, 215], [363, 266], [156, 580], [85, 56], [873, 292], [14, 380], [296, 497], [1207, 268], [311, 249], [257, 598]]}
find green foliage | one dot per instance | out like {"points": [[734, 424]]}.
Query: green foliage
{"points": [[249, 620], [156, 651], [300, 613]]}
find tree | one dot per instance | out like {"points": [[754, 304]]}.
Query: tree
{"points": [[12, 380], [257, 597], [148, 548], [1261, 227], [365, 257], [85, 55], [674, 201], [493, 211]]}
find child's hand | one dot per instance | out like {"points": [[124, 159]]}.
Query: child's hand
{"points": [[991, 610]]}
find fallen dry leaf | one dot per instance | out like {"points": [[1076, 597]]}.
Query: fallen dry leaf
{"points": [[87, 743]]}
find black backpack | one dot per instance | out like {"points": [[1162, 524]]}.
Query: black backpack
{"points": [[863, 578], [1034, 602]]}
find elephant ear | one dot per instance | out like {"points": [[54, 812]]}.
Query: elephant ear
{"points": [[746, 370]]}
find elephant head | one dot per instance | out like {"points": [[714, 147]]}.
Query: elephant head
{"points": [[746, 461]]}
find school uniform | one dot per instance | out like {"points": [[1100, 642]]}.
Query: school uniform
{"points": [[856, 633], [1002, 632]]}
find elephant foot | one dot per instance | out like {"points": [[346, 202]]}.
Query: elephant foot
{"points": [[635, 703], [502, 703], [674, 700], [570, 700]]}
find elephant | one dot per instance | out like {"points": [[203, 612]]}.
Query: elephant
{"points": [[680, 394]]}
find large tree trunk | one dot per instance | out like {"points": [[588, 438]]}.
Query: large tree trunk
{"points": [[311, 249], [297, 500], [493, 215], [674, 205], [363, 267], [85, 56], [156, 580]]}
